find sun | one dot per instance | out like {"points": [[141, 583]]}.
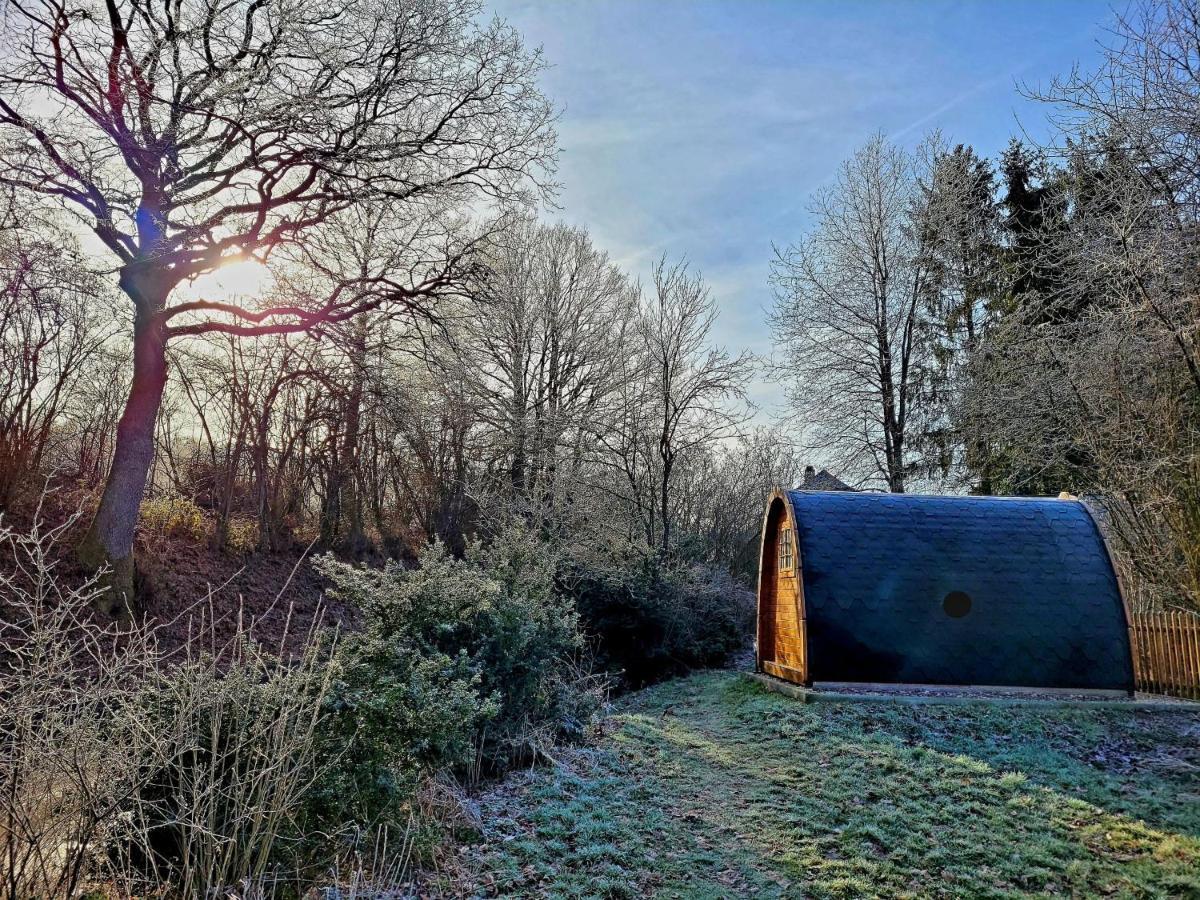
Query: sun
{"points": [[238, 280]]}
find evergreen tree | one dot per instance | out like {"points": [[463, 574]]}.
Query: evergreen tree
{"points": [[1035, 288], [1034, 214], [959, 226]]}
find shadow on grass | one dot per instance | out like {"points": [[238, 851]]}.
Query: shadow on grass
{"points": [[1144, 764]]}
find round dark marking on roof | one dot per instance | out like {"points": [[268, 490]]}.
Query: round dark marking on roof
{"points": [[957, 604]]}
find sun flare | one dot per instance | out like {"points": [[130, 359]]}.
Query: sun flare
{"points": [[238, 280]]}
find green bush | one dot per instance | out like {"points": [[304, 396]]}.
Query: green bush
{"points": [[395, 716], [465, 664], [651, 618]]}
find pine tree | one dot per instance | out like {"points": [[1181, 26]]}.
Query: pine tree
{"points": [[960, 228], [1034, 213]]}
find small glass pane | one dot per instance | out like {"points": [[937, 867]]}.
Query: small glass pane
{"points": [[785, 549]]}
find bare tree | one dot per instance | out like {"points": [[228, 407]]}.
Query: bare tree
{"points": [[55, 324], [430, 450], [242, 417], [721, 492], [550, 319], [1140, 108], [192, 132], [630, 471], [847, 315], [1142, 98], [1110, 394], [692, 395]]}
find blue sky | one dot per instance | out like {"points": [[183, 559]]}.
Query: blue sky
{"points": [[699, 129]]}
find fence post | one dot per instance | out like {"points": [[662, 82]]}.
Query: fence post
{"points": [[1172, 662], [1164, 655], [1160, 655], [1181, 654], [1147, 673], [1193, 653]]}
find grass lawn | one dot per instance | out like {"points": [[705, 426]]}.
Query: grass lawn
{"points": [[711, 786]]}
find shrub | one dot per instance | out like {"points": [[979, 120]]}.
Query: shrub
{"points": [[171, 515], [228, 754], [465, 664], [395, 716], [144, 774], [241, 536], [228, 769], [649, 618], [117, 767], [69, 747]]}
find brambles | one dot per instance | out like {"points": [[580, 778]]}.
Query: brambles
{"points": [[71, 748]]}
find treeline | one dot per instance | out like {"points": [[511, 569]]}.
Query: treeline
{"points": [[549, 387], [1028, 325]]}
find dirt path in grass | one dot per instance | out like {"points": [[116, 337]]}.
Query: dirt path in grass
{"points": [[712, 787]]}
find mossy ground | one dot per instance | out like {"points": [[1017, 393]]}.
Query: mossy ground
{"points": [[711, 786]]}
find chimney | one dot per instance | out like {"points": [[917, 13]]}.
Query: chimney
{"points": [[809, 474]]}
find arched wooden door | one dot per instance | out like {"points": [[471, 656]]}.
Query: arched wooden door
{"points": [[767, 585], [782, 642]]}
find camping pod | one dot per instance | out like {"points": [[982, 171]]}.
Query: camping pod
{"points": [[901, 588]]}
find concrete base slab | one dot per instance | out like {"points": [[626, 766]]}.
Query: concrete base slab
{"points": [[959, 697]]}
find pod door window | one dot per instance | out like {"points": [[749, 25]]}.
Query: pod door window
{"points": [[787, 556]]}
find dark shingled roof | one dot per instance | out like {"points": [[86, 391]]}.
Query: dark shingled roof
{"points": [[1045, 609]]}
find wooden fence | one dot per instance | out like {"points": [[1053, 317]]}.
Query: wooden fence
{"points": [[1166, 653]]}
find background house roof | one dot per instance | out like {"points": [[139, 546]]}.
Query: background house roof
{"points": [[823, 480]]}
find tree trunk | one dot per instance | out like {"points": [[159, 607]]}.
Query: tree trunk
{"points": [[331, 507], [352, 483], [261, 459], [665, 502], [108, 543]]}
